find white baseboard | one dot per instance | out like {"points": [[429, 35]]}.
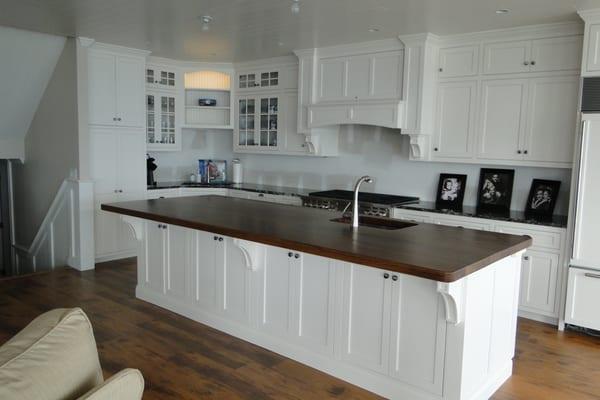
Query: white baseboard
{"points": [[538, 317], [115, 256]]}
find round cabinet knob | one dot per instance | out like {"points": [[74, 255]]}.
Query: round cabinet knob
{"points": [[526, 63], [290, 254], [525, 152], [533, 63], [395, 278], [526, 258], [435, 149], [215, 238], [220, 239], [261, 195], [386, 275], [119, 119], [441, 69], [518, 151], [296, 255]]}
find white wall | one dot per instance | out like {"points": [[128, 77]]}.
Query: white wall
{"points": [[379, 152], [51, 148], [27, 61]]}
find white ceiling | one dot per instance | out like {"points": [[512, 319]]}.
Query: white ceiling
{"points": [[252, 29]]}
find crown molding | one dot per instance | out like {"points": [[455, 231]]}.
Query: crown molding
{"points": [[120, 49], [274, 61], [591, 15]]}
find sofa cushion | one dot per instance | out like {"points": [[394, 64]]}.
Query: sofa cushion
{"points": [[125, 385], [52, 358]]}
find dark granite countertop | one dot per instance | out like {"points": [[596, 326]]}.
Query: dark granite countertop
{"points": [[558, 221], [249, 187]]}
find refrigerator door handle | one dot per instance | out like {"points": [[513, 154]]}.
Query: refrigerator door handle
{"points": [[579, 190], [590, 275]]}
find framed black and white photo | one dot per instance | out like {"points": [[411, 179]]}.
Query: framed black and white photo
{"points": [[451, 191], [495, 189], [542, 197]]}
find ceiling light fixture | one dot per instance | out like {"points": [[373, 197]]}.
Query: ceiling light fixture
{"points": [[502, 11], [295, 6], [373, 30], [206, 21]]}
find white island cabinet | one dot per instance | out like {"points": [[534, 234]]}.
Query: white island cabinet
{"points": [[398, 335]]}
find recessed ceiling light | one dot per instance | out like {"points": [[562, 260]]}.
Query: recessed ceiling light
{"points": [[280, 44], [373, 30], [295, 6], [502, 11], [206, 21]]}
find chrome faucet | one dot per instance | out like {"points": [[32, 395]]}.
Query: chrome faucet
{"points": [[366, 179]]}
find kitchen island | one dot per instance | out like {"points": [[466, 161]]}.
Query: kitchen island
{"points": [[416, 312]]}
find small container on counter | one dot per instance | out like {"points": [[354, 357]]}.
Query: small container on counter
{"points": [[237, 171]]}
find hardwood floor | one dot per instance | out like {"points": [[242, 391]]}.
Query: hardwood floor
{"points": [[181, 359]]}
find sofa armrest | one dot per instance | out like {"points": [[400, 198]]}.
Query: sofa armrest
{"points": [[125, 385]]}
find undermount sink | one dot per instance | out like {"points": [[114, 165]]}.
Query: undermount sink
{"points": [[373, 222]]}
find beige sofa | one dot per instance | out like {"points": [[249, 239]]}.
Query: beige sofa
{"points": [[55, 358]]}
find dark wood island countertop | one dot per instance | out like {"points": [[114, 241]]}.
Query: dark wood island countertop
{"points": [[435, 252]]}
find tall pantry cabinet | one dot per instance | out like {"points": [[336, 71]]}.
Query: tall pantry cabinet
{"points": [[117, 125]]}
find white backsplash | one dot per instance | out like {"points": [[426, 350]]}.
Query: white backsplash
{"points": [[379, 152]]}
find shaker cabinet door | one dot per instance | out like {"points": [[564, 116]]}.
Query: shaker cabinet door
{"points": [[502, 118], [365, 317], [205, 270], [130, 90], [539, 278], [102, 89], [507, 57]]}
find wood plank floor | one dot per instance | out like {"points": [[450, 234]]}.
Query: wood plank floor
{"points": [[181, 359]]}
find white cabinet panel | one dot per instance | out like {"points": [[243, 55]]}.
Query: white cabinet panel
{"points": [[552, 118], [130, 91], [556, 54], [155, 260], [506, 57], [178, 266], [386, 75], [106, 226], [293, 141], [503, 118], [541, 238], [539, 281], [131, 161], [593, 48], [276, 293], [103, 163], [459, 61], [455, 120], [358, 81], [328, 115], [366, 317], [332, 83], [462, 223], [102, 88], [314, 302], [234, 282], [418, 338], [206, 269], [583, 297]]}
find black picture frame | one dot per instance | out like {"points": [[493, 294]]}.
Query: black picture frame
{"points": [[542, 197], [451, 191], [495, 189]]}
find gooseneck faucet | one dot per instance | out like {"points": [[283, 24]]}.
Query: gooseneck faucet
{"points": [[366, 179]]}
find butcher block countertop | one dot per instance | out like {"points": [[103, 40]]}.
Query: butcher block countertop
{"points": [[436, 252]]}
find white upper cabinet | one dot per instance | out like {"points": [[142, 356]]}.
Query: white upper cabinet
{"points": [[458, 61], [502, 118], [455, 119], [539, 55], [556, 54], [591, 65], [506, 57], [161, 77], [116, 89], [332, 80], [550, 133]]}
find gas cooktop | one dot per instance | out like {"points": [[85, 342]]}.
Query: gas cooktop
{"points": [[365, 197]]}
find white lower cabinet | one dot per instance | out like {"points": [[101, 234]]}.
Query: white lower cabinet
{"points": [[392, 324], [539, 278], [582, 298], [233, 281], [296, 298]]}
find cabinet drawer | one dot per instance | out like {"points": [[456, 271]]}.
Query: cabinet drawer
{"points": [[462, 223], [506, 57], [546, 240], [165, 193], [583, 297], [408, 216]]}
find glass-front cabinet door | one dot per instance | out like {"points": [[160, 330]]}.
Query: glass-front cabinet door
{"points": [[161, 78], [258, 80], [161, 128], [258, 123]]}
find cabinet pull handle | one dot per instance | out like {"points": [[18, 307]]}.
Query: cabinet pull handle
{"points": [[590, 275], [518, 151], [533, 63], [526, 258], [435, 149], [441, 69], [215, 238], [525, 152], [220, 239], [290, 254], [296, 255], [526, 63], [386, 275], [395, 278]]}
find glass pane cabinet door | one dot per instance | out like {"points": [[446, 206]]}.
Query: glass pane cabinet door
{"points": [[167, 119], [269, 120], [246, 128], [150, 119], [149, 76]]}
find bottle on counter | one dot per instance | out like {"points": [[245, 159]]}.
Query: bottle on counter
{"points": [[237, 171]]}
